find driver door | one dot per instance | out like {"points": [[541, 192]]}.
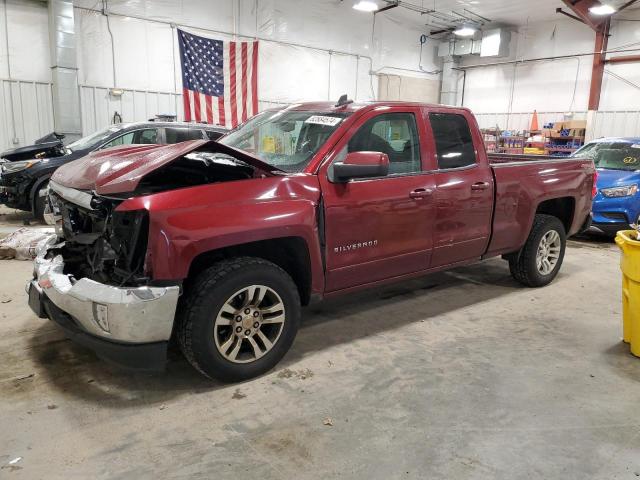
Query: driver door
{"points": [[379, 228]]}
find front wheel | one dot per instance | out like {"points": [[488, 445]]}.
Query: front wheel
{"points": [[238, 318], [539, 261]]}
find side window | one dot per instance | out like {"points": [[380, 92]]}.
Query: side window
{"points": [[150, 135], [395, 134], [177, 135], [454, 145], [125, 139]]}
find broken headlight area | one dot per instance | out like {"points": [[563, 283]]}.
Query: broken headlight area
{"points": [[100, 243]]}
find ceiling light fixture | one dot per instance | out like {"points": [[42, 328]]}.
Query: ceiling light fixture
{"points": [[365, 6], [603, 9], [465, 30]]}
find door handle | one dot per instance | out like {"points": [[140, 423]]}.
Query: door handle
{"points": [[480, 186], [420, 193]]}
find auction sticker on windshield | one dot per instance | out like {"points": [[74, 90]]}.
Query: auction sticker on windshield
{"points": [[323, 120]]}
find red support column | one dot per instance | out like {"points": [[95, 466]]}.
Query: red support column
{"points": [[597, 71]]}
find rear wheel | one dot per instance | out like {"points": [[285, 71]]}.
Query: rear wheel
{"points": [[239, 318], [539, 261]]}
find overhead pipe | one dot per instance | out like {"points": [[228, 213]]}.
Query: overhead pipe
{"points": [[625, 59], [542, 59]]}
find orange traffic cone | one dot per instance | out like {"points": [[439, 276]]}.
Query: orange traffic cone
{"points": [[534, 121]]}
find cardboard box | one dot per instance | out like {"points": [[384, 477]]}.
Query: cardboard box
{"points": [[558, 126], [575, 124], [577, 132]]}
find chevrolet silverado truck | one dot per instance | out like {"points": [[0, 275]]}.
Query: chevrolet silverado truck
{"points": [[216, 245]]}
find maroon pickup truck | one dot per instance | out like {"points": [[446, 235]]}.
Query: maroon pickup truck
{"points": [[218, 245]]}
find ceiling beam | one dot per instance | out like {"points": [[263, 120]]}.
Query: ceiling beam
{"points": [[581, 10], [628, 4], [559, 10]]}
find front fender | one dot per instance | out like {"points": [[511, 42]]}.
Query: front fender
{"points": [[188, 222]]}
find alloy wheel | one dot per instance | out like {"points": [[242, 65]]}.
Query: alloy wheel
{"points": [[548, 252], [249, 324]]}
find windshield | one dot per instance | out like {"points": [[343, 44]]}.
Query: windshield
{"points": [[285, 139], [612, 155], [94, 139]]}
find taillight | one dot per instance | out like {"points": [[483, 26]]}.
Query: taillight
{"points": [[594, 190]]}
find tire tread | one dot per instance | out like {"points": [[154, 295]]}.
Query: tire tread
{"points": [[201, 288], [520, 264]]}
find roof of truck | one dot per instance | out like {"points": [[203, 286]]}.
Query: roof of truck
{"points": [[355, 106]]}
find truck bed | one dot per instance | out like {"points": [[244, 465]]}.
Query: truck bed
{"points": [[524, 182], [500, 158]]}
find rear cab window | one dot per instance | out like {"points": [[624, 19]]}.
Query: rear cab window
{"points": [[454, 143]]}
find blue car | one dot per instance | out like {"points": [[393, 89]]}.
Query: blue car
{"points": [[617, 202]]}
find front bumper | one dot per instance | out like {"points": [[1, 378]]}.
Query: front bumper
{"points": [[112, 321], [609, 229]]}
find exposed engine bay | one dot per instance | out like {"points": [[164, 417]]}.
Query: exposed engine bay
{"points": [[110, 247]]}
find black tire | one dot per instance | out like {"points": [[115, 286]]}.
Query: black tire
{"points": [[39, 203], [523, 264], [204, 298]]}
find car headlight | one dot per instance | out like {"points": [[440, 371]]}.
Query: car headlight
{"points": [[12, 167], [625, 191]]}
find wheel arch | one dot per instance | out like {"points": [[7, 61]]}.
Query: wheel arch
{"points": [[289, 253], [563, 208], [35, 188]]}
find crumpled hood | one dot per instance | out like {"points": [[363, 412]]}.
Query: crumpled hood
{"points": [[49, 149], [120, 169]]}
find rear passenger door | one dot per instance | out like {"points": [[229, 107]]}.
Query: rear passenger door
{"points": [[464, 190]]}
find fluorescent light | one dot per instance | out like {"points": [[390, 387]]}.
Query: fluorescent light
{"points": [[366, 6], [465, 30], [603, 9]]}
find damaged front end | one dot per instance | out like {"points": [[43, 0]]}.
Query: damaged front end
{"points": [[98, 242], [96, 282], [92, 281]]}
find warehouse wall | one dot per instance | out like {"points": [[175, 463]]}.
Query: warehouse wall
{"points": [[146, 49], [556, 85]]}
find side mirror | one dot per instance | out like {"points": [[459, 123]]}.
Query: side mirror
{"points": [[361, 165]]}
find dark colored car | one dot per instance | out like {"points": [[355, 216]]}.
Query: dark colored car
{"points": [[48, 146], [23, 184]]}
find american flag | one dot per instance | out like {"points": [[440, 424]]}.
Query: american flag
{"points": [[219, 79]]}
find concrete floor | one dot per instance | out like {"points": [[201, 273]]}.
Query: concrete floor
{"points": [[456, 376]]}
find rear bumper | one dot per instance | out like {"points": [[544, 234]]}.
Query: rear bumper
{"points": [[128, 326]]}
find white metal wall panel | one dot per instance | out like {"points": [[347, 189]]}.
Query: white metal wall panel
{"points": [[32, 112], [615, 124], [98, 106]]}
